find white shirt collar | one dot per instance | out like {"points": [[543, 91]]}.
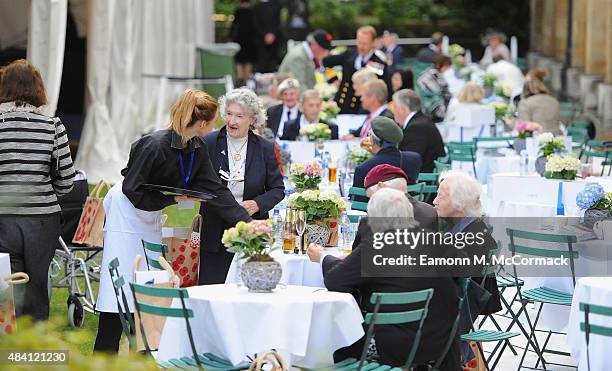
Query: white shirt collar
{"points": [[304, 121], [408, 118], [391, 48], [308, 51], [366, 58]]}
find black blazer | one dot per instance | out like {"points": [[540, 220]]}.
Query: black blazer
{"points": [[422, 136], [386, 113], [292, 129], [262, 183], [393, 341], [410, 163], [274, 118], [345, 97]]}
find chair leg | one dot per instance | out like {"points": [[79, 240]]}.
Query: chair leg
{"points": [[535, 340], [507, 341], [515, 319], [544, 346]]}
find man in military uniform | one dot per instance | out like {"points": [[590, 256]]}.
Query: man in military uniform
{"points": [[365, 56]]}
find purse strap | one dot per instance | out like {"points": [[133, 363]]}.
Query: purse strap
{"points": [[55, 149], [196, 223], [271, 357], [99, 187], [18, 278]]}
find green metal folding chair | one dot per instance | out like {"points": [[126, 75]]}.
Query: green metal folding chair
{"points": [[123, 309], [596, 148], [542, 295], [154, 248], [485, 336], [206, 361], [494, 142], [416, 191], [358, 205], [589, 329], [389, 318], [462, 152]]}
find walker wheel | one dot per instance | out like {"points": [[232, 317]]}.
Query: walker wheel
{"points": [[76, 313]]}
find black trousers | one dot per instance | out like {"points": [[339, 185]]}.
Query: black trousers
{"points": [[31, 240], [214, 266], [109, 332]]}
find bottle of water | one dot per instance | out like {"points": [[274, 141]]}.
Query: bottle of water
{"points": [[345, 230], [278, 227], [524, 162], [325, 157]]}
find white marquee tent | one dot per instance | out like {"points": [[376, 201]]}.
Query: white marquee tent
{"points": [[125, 40]]}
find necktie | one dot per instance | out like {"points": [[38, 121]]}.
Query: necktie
{"points": [[366, 127], [288, 115]]}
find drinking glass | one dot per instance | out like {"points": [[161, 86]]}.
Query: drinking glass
{"points": [[586, 170], [300, 228], [333, 173]]}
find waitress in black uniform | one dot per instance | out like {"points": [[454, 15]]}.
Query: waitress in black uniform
{"points": [[174, 157]]}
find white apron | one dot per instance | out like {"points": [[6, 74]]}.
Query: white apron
{"points": [[124, 230]]}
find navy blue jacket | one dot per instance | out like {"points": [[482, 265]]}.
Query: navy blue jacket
{"points": [[263, 182], [410, 163]]}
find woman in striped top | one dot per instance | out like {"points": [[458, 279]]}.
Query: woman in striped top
{"points": [[35, 167]]}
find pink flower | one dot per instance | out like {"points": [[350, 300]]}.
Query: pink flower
{"points": [[521, 126]]}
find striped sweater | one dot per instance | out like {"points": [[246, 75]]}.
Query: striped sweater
{"points": [[29, 143]]}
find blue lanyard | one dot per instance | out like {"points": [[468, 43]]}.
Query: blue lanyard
{"points": [[182, 166]]}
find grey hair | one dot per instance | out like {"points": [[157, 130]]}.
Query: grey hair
{"points": [[378, 89], [363, 75], [309, 94], [390, 209], [289, 83], [408, 98], [464, 192], [399, 184], [249, 101]]}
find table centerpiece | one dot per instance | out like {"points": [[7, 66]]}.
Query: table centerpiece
{"points": [[596, 203], [306, 175], [322, 213], [561, 167], [254, 241]]}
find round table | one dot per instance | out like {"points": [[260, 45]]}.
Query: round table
{"points": [[591, 290], [305, 324]]}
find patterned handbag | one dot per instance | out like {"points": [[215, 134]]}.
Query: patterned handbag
{"points": [[90, 229], [184, 252], [7, 302]]}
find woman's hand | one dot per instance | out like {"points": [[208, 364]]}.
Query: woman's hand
{"points": [[250, 206], [188, 198]]}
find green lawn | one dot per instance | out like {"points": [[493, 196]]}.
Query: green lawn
{"points": [[59, 308]]}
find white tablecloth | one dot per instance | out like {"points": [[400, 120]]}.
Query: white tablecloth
{"points": [[591, 290], [305, 151], [488, 164], [297, 269], [512, 195], [304, 324]]}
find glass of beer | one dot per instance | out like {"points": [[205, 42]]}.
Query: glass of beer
{"points": [[333, 173]]}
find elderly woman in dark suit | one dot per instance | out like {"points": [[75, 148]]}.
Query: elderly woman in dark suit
{"points": [[247, 164]]}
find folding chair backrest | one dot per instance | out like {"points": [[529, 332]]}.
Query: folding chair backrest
{"points": [[459, 151], [544, 252], [416, 190], [360, 206], [493, 142], [127, 322], [155, 310], [157, 248], [356, 191], [428, 177], [579, 135], [441, 166], [601, 310], [388, 318]]}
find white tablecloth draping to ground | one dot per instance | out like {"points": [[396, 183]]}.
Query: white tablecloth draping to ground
{"points": [[488, 164], [513, 195], [297, 269], [591, 290], [306, 325]]}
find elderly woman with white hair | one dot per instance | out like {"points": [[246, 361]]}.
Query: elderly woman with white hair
{"points": [[458, 203], [246, 163]]}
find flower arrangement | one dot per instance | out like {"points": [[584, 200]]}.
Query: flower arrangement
{"points": [[503, 90], [329, 110], [326, 91], [593, 197], [550, 145], [488, 80], [456, 52], [315, 132], [252, 240], [319, 205], [306, 176], [561, 167], [501, 108], [526, 128], [359, 155]]}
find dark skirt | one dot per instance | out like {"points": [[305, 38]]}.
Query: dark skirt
{"points": [[214, 266]]}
